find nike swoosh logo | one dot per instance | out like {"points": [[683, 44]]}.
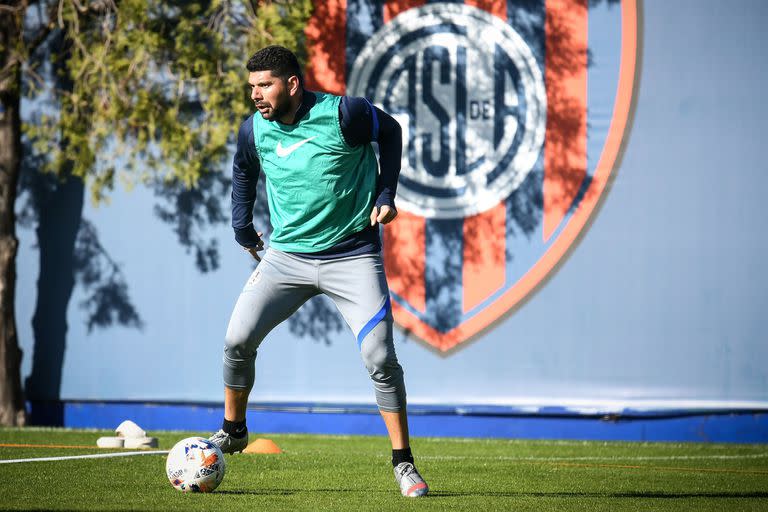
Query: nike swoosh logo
{"points": [[282, 152]]}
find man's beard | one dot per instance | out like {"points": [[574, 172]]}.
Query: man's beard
{"points": [[278, 110]]}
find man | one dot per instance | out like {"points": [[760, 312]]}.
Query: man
{"points": [[326, 200]]}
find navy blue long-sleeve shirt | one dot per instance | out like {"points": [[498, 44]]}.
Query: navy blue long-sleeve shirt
{"points": [[361, 123]]}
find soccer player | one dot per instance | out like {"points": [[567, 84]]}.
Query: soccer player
{"points": [[326, 199]]}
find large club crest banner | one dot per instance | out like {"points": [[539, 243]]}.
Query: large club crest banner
{"points": [[513, 115]]}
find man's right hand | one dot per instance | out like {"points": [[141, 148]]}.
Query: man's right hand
{"points": [[256, 248]]}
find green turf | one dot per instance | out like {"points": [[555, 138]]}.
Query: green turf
{"points": [[354, 473]]}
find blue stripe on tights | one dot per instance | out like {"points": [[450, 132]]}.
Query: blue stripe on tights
{"points": [[378, 317]]}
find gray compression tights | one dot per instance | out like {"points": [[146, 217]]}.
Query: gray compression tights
{"points": [[283, 282]]}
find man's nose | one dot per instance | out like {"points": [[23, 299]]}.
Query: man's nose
{"points": [[255, 94]]}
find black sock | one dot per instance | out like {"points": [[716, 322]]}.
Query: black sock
{"points": [[400, 456], [236, 429]]}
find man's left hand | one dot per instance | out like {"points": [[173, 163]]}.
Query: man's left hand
{"points": [[383, 215]]}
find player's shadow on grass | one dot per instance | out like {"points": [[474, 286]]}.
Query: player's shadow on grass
{"points": [[502, 494], [290, 492], [630, 495], [261, 492]]}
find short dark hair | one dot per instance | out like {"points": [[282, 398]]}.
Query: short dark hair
{"points": [[279, 60]]}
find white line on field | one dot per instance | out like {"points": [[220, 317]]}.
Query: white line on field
{"points": [[611, 458], [92, 456], [562, 459]]}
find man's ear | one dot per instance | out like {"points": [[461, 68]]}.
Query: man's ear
{"points": [[294, 84]]}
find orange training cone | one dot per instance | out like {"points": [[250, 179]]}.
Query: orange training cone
{"points": [[262, 446]]}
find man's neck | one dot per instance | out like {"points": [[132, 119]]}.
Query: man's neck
{"points": [[290, 116]]}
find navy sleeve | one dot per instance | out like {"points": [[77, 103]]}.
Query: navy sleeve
{"points": [[245, 174], [363, 123]]}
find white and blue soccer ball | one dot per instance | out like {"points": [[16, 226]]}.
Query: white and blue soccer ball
{"points": [[195, 464]]}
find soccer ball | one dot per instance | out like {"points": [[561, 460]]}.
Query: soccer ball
{"points": [[195, 464]]}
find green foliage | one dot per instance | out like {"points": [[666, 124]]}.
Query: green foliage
{"points": [[155, 89]]}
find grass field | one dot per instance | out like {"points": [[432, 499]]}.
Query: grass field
{"points": [[354, 473]]}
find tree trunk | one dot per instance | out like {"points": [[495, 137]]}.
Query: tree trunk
{"points": [[12, 410]]}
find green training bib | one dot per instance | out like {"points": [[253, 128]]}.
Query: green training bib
{"points": [[319, 189]]}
